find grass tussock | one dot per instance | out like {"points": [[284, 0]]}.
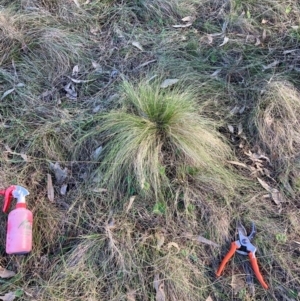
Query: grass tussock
{"points": [[277, 122], [158, 136]]}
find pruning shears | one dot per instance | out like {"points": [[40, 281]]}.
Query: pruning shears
{"points": [[243, 246]]}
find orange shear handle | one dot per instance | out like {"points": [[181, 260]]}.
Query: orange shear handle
{"points": [[253, 261], [231, 252]]}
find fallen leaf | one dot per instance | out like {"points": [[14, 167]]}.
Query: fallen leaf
{"points": [[8, 149], [160, 294], [145, 64], [206, 241], [156, 281], [47, 95], [97, 66], [75, 71], [297, 242], [8, 297], [187, 19], [275, 193], [237, 284], [225, 41], [272, 65], [160, 239], [182, 25], [290, 51], [7, 93], [4, 273], [70, 89], [238, 164], [20, 85], [242, 109], [240, 129], [209, 298], [50, 189], [131, 200], [77, 3], [216, 73], [97, 109], [159, 287], [100, 190], [264, 21], [264, 34], [173, 244], [24, 157], [60, 174], [63, 189], [95, 155], [265, 185], [230, 128], [258, 42], [169, 82], [137, 45], [130, 295], [80, 81], [234, 110]]}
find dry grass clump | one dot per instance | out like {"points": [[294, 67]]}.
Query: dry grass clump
{"points": [[278, 124], [158, 136]]}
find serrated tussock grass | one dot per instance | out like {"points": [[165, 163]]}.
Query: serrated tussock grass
{"points": [[158, 137], [278, 125]]}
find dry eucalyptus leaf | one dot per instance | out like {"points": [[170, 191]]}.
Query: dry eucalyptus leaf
{"points": [[130, 295], [76, 3], [159, 287], [169, 82], [173, 244], [206, 241], [75, 71], [230, 128], [238, 164], [131, 200], [50, 189], [63, 189], [8, 297], [225, 41], [276, 195], [70, 89], [272, 65], [237, 284], [60, 174], [100, 190], [240, 129], [7, 93], [187, 19], [182, 25], [97, 66], [4, 273], [209, 298], [216, 73], [95, 155], [24, 157], [265, 185], [160, 239], [80, 81], [160, 294], [137, 45]]}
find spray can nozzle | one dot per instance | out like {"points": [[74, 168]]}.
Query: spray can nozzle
{"points": [[17, 192]]}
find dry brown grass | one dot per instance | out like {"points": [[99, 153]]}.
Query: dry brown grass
{"points": [[88, 247], [278, 124]]}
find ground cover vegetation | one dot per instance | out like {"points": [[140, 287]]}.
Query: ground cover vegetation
{"points": [[144, 130]]}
